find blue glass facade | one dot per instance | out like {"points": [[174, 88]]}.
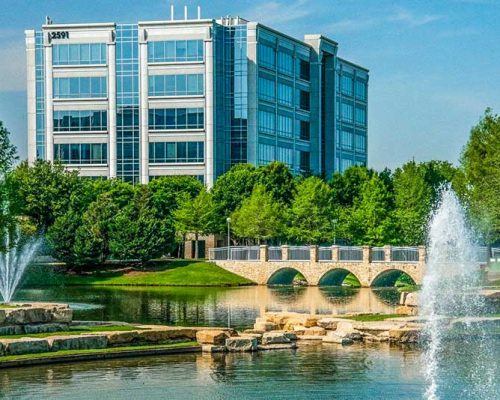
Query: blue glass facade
{"points": [[127, 103], [231, 96], [79, 54], [40, 96], [80, 121]]}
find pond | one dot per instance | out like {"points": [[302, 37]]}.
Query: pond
{"points": [[238, 307]]}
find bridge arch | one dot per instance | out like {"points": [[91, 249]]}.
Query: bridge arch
{"points": [[388, 277], [284, 276], [335, 277]]}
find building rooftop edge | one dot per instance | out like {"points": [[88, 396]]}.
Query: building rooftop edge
{"points": [[320, 36], [80, 25], [258, 24], [176, 22], [353, 64]]}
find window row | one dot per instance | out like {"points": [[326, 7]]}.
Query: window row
{"points": [[80, 121], [80, 153], [267, 124], [267, 89], [352, 87], [268, 153], [79, 54], [350, 141], [80, 87], [176, 152], [176, 85], [175, 51], [285, 62], [176, 118]]}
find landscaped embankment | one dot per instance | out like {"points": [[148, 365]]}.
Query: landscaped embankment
{"points": [[167, 273]]}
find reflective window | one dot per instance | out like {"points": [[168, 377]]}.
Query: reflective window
{"points": [[80, 87], [346, 164], [80, 121], [305, 133], [360, 90], [285, 63], [266, 153], [285, 155], [346, 85], [176, 152], [267, 122], [347, 112], [304, 103], [267, 56], [285, 126], [360, 115], [176, 85], [285, 94], [81, 153], [304, 70], [304, 161], [360, 143], [347, 139], [176, 118], [79, 54], [175, 51], [267, 89]]}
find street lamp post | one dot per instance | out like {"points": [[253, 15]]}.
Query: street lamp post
{"points": [[334, 221], [228, 220]]}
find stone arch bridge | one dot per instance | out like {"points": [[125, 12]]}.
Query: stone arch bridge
{"points": [[322, 265]]}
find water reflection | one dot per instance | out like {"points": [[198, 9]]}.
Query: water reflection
{"points": [[211, 306]]}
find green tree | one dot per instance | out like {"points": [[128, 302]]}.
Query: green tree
{"points": [[41, 192], [278, 181], [480, 162], [413, 203], [311, 212], [347, 186], [137, 234], [259, 217], [7, 158], [369, 221], [230, 190], [195, 215]]}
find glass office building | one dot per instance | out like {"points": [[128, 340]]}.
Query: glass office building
{"points": [[192, 97]]}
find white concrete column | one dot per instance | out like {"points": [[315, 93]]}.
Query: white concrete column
{"points": [[252, 76], [49, 109], [112, 109], [143, 110], [31, 94], [209, 114]]}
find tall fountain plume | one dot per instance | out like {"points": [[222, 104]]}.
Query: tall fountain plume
{"points": [[450, 291], [14, 259]]}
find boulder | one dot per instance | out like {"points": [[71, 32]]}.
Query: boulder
{"points": [[315, 331], [332, 337], [210, 348], [299, 329], [286, 320], [24, 346], [257, 336], [62, 315], [2, 316], [11, 330], [45, 328], [404, 335], [215, 337], [265, 326], [412, 299], [278, 346], [78, 342], [238, 344], [165, 335], [274, 338], [291, 336], [406, 310], [329, 323], [121, 337]]}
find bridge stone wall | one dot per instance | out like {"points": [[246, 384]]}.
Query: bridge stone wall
{"points": [[261, 271]]}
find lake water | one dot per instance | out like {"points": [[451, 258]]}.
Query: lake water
{"points": [[313, 371], [210, 306]]}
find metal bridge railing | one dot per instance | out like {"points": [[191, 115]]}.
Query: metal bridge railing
{"points": [[378, 254], [495, 253], [350, 253], [274, 253], [325, 254], [247, 253], [404, 254], [219, 253], [299, 253]]}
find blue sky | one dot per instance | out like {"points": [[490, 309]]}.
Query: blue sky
{"points": [[434, 65]]}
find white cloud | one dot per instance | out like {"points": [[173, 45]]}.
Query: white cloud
{"points": [[278, 12], [401, 17]]}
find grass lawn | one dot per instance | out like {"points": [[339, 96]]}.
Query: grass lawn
{"points": [[77, 330], [54, 354], [372, 317], [168, 273]]}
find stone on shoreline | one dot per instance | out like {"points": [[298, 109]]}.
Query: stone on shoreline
{"points": [[81, 342], [11, 330], [121, 337], [329, 323], [404, 335], [345, 329], [277, 346], [264, 326], [274, 338], [210, 348], [332, 337], [315, 331], [215, 337], [239, 344], [165, 334], [45, 328], [25, 345]]}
